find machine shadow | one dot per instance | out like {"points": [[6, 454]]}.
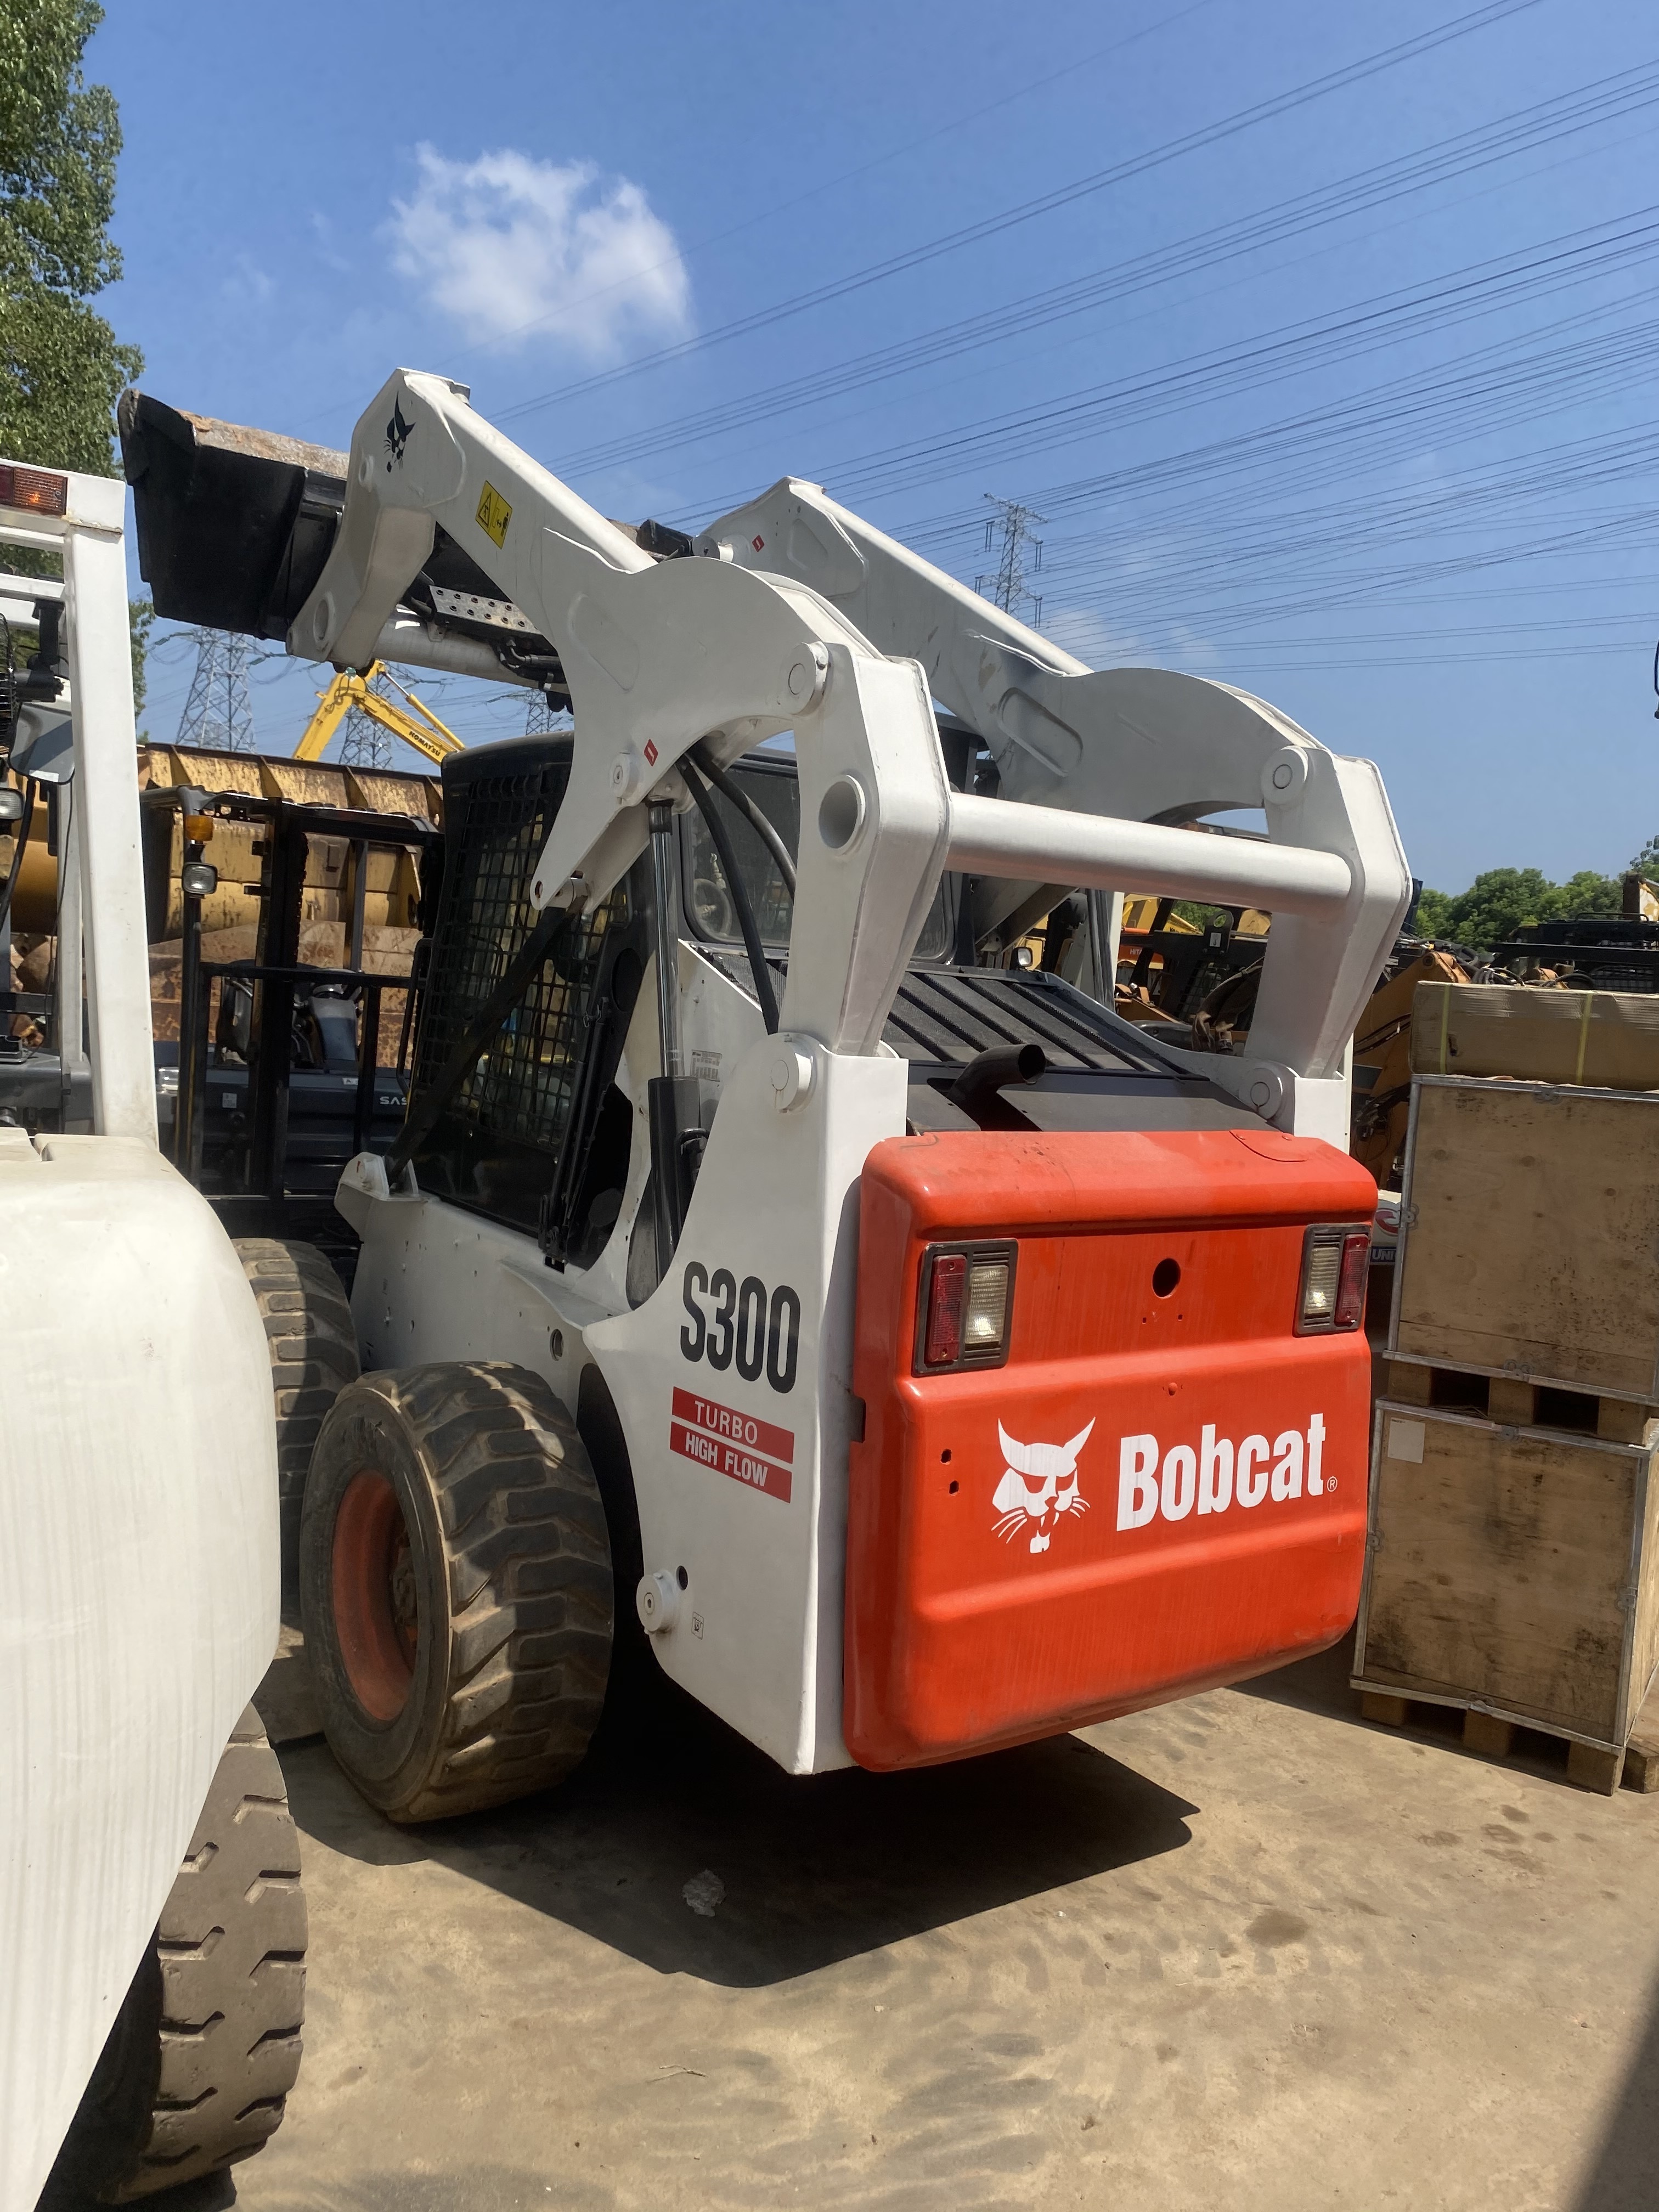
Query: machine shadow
{"points": [[1319, 1684], [814, 1870], [1622, 2178]]}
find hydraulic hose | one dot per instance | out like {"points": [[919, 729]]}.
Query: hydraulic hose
{"points": [[751, 940], [729, 787], [16, 867]]}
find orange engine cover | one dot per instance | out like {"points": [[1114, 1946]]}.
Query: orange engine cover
{"points": [[1155, 1494]]}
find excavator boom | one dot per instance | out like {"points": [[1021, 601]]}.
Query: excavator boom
{"points": [[414, 722]]}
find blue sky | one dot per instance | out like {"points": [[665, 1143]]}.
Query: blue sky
{"points": [[1333, 371]]}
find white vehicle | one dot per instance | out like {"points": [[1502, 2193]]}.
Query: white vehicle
{"points": [[931, 1360], [151, 1923]]}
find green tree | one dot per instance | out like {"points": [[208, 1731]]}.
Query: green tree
{"points": [[61, 369], [1504, 900], [1589, 893], [140, 615], [1646, 862], [1433, 913]]}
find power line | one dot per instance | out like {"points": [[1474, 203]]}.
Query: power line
{"points": [[1137, 165], [1344, 443], [1525, 130], [911, 145], [1067, 418]]}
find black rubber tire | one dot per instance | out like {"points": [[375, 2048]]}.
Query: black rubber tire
{"points": [[196, 2071], [508, 1578], [314, 1355]]}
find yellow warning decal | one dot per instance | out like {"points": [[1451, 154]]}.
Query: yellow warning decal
{"points": [[494, 514]]}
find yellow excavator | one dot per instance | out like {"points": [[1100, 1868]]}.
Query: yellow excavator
{"points": [[418, 727]]}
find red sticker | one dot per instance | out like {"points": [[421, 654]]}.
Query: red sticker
{"points": [[729, 1459], [759, 544], [651, 751], [737, 1428], [740, 1445]]}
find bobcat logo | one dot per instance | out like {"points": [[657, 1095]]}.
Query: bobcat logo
{"points": [[397, 435], [1039, 1483]]}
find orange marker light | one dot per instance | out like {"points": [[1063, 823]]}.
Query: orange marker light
{"points": [[33, 491]]}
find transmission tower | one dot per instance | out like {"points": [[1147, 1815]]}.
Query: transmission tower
{"points": [[544, 717], [1008, 588], [219, 712], [364, 743]]}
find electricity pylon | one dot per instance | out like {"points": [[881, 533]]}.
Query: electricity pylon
{"points": [[1008, 588], [543, 717], [364, 743], [219, 712]]}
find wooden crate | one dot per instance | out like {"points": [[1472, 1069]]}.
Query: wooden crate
{"points": [[1510, 1571], [1607, 1039], [1529, 1235]]}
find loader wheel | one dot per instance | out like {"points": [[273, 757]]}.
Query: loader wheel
{"points": [[455, 1587], [195, 2072], [314, 1355]]}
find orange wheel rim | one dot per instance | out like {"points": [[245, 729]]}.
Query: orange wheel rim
{"points": [[376, 1614]]}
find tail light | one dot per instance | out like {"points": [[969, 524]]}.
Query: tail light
{"points": [[966, 1304], [946, 1288], [1332, 1293]]}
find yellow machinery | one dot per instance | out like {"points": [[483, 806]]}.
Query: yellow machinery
{"points": [[419, 727]]}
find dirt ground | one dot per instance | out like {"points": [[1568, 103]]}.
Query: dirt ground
{"points": [[1247, 1951]]}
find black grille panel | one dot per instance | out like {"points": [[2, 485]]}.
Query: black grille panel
{"points": [[948, 1015]]}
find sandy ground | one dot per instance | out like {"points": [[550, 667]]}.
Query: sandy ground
{"points": [[1246, 1951]]}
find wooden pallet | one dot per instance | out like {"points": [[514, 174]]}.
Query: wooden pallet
{"points": [[1514, 1402], [1590, 1766]]}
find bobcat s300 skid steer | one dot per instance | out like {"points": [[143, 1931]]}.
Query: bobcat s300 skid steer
{"points": [[931, 1360]]}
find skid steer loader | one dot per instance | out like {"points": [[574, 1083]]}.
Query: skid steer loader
{"points": [[152, 1926], [927, 1358]]}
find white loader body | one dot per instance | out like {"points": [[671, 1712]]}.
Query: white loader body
{"points": [[138, 1571]]}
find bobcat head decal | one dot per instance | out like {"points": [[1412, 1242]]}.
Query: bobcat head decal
{"points": [[1038, 1484]]}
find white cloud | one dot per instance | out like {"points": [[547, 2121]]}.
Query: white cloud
{"points": [[516, 249], [1088, 634], [1092, 636], [246, 284]]}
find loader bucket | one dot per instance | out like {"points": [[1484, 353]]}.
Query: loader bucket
{"points": [[234, 524]]}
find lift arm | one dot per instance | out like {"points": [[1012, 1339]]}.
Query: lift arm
{"points": [[807, 620], [1114, 758], [657, 656]]}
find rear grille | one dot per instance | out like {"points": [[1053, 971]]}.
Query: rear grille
{"points": [[948, 1015]]}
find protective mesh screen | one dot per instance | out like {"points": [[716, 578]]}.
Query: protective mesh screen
{"points": [[499, 1136]]}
